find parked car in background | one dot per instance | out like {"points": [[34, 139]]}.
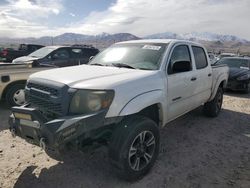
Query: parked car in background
{"points": [[122, 98], [8, 54], [213, 58], [239, 73], [13, 76], [60, 56], [222, 55]]}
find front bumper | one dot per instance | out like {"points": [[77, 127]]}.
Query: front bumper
{"points": [[29, 124]]}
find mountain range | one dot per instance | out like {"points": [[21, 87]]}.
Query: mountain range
{"points": [[210, 40], [195, 36]]}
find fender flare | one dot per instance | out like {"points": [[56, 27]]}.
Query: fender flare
{"points": [[221, 79], [142, 101]]}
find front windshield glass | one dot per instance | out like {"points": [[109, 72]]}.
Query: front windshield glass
{"points": [[235, 63], [134, 55], [42, 52]]}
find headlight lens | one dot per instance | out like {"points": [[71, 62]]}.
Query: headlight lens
{"points": [[89, 101], [244, 77]]}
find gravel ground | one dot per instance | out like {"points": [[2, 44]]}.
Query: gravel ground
{"points": [[196, 152]]}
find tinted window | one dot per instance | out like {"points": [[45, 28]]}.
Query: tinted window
{"points": [[180, 53], [76, 53], [89, 52], [200, 57], [61, 54]]}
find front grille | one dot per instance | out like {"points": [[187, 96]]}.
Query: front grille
{"points": [[49, 99], [45, 106], [52, 91]]}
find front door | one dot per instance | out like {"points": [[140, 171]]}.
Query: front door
{"points": [[180, 85], [61, 58]]}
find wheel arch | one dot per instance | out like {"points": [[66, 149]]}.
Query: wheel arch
{"points": [[148, 104], [222, 83], [10, 85]]}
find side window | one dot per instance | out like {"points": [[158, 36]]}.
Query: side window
{"points": [[61, 54], [88, 53], [76, 52], [33, 48], [200, 57], [180, 60]]}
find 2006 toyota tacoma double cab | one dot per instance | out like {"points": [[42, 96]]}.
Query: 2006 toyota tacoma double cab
{"points": [[122, 98]]}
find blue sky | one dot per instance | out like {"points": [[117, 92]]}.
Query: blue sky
{"points": [[77, 10], [35, 18]]}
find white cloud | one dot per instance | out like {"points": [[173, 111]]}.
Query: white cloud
{"points": [[72, 14], [140, 17], [22, 18]]}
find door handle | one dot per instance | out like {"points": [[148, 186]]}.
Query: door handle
{"points": [[177, 98], [209, 75], [193, 78]]}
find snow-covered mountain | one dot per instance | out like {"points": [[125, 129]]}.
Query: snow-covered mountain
{"points": [[73, 38], [195, 36]]}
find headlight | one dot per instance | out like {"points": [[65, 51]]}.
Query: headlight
{"points": [[88, 101], [244, 77]]}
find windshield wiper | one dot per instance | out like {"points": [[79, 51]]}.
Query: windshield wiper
{"points": [[123, 65]]}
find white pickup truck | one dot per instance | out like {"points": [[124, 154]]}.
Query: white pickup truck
{"points": [[122, 98]]}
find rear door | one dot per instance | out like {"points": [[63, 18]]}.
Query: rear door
{"points": [[203, 73], [87, 53], [76, 56], [181, 85]]}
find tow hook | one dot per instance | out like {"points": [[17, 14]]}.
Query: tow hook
{"points": [[42, 143], [13, 132]]}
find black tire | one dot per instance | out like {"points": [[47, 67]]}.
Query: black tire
{"points": [[10, 95], [213, 108], [126, 150]]}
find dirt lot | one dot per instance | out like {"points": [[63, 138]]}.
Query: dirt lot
{"points": [[196, 151]]}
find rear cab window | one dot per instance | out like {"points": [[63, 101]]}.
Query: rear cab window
{"points": [[200, 57]]}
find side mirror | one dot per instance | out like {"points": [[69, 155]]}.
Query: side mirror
{"points": [[91, 57], [181, 66]]}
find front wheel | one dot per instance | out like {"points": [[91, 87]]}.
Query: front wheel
{"points": [[134, 147], [15, 95], [213, 108]]}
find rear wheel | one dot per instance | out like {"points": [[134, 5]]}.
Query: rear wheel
{"points": [[15, 95], [134, 147], [213, 108]]}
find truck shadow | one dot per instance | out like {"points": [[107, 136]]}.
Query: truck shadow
{"points": [[196, 151]]}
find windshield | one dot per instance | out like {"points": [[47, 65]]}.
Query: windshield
{"points": [[136, 55], [42, 52], [235, 63]]}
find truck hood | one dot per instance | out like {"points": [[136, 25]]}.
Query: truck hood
{"points": [[24, 59], [92, 77]]}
